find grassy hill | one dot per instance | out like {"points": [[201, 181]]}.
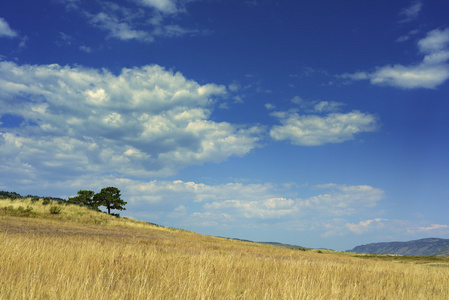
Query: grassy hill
{"points": [[83, 254]]}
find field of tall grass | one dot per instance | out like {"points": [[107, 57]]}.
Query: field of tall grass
{"points": [[83, 254]]}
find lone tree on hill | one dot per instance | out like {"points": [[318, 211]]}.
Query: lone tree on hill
{"points": [[109, 197]]}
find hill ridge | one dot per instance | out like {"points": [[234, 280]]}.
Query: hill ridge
{"points": [[422, 247]]}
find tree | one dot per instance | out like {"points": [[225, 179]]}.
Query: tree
{"points": [[110, 197], [85, 197]]}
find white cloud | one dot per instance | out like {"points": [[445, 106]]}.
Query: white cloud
{"points": [[165, 6], [70, 4], [433, 227], [145, 121], [64, 39], [430, 73], [85, 49], [325, 106], [270, 106], [339, 200], [407, 36], [5, 30], [344, 200], [267, 208], [122, 30], [245, 201], [436, 40], [421, 76], [365, 226], [240, 205], [385, 229], [126, 22], [316, 106], [315, 130], [410, 13], [234, 87]]}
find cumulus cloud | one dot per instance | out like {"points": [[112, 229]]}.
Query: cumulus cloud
{"points": [[430, 73], [436, 41], [144, 121], [314, 129], [5, 30]]}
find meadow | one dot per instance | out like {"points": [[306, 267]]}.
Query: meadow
{"points": [[83, 254]]}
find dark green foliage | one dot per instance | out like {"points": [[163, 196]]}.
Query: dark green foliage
{"points": [[84, 198], [35, 199], [110, 198], [11, 195], [55, 210], [46, 201]]}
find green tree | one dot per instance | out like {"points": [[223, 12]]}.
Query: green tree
{"points": [[110, 198], [85, 197]]}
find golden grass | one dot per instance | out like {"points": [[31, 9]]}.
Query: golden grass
{"points": [[69, 257]]}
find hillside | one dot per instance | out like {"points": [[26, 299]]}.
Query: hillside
{"points": [[422, 247], [79, 253]]}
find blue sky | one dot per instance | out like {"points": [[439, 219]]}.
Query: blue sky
{"points": [[315, 123]]}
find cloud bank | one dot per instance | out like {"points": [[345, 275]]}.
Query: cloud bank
{"points": [[146, 121], [237, 205]]}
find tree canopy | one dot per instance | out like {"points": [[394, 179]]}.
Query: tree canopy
{"points": [[110, 198], [85, 197]]}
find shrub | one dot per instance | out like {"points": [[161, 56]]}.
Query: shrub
{"points": [[20, 211], [34, 199], [46, 201], [55, 210]]}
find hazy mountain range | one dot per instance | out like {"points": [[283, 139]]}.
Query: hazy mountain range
{"points": [[422, 247]]}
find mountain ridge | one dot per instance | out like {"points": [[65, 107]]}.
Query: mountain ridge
{"points": [[422, 247]]}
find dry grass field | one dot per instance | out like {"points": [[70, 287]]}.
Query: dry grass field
{"points": [[82, 254]]}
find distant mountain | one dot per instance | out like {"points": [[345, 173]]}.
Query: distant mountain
{"points": [[422, 247]]}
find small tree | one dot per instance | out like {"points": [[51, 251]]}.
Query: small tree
{"points": [[85, 197], [110, 197]]}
